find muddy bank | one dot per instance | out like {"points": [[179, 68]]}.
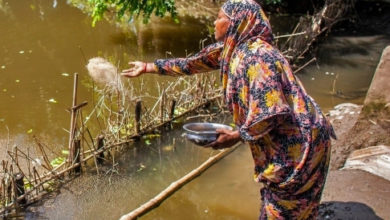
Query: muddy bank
{"points": [[360, 127]]}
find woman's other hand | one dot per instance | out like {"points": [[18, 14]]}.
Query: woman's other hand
{"points": [[137, 68], [226, 139]]}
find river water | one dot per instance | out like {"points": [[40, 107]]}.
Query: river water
{"points": [[43, 43]]}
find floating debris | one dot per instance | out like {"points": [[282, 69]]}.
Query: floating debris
{"points": [[5, 90], [21, 52], [151, 136], [141, 167], [53, 101], [65, 74], [57, 161], [17, 81], [30, 131], [168, 148], [3, 67]]}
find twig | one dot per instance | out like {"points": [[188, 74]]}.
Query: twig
{"points": [[305, 65], [45, 158], [290, 35]]}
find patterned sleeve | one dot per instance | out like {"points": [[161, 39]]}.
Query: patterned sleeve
{"points": [[267, 105], [205, 60]]}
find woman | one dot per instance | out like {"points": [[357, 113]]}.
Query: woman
{"points": [[288, 135]]}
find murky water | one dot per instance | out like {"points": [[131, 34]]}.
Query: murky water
{"points": [[44, 42]]}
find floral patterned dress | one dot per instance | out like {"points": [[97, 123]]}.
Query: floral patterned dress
{"points": [[288, 135]]}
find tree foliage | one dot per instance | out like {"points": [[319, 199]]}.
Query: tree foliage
{"points": [[274, 2], [133, 8]]}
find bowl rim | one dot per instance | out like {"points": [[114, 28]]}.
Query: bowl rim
{"points": [[185, 127]]}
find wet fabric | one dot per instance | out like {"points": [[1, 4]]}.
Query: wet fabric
{"points": [[288, 135]]}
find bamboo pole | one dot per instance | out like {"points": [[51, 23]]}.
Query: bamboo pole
{"points": [[76, 154], [162, 103], [138, 107], [166, 193], [73, 118], [19, 187], [172, 109], [100, 143]]}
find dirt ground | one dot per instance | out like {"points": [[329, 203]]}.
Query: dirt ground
{"points": [[356, 129], [356, 194]]}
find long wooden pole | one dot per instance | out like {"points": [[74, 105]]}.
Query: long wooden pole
{"points": [[72, 119], [157, 200]]}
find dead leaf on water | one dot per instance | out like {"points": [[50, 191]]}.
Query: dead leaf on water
{"points": [[30, 131], [167, 148], [53, 101]]}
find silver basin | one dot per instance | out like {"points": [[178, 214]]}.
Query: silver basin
{"points": [[203, 133]]}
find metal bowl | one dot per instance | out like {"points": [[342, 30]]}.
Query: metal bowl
{"points": [[203, 133]]}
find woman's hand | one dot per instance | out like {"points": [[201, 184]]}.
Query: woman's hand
{"points": [[226, 139], [138, 68]]}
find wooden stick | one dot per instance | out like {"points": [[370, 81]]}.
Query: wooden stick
{"points": [[138, 107], [157, 200], [162, 103], [305, 65], [73, 118], [76, 154], [100, 142], [19, 187], [45, 158], [172, 109]]}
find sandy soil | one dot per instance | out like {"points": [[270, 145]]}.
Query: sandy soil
{"points": [[355, 194]]}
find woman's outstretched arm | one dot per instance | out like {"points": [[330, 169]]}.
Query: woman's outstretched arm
{"points": [[205, 60]]}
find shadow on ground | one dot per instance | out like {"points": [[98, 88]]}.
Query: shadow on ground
{"points": [[346, 211]]}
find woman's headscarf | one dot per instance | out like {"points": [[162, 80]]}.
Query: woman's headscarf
{"points": [[247, 22]]}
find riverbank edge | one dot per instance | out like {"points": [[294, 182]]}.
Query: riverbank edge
{"points": [[351, 193]]}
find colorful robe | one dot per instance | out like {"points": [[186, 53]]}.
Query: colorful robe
{"points": [[288, 135]]}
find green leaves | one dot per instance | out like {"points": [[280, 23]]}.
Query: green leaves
{"points": [[273, 2], [132, 8]]}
